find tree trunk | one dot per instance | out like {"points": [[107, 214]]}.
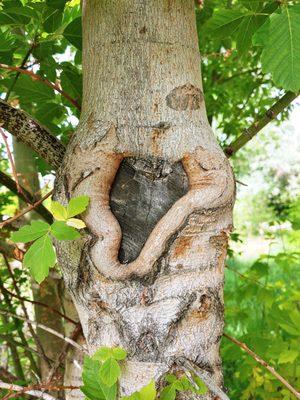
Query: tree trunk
{"points": [[148, 273]]}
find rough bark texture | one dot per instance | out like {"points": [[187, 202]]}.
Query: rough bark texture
{"points": [[144, 150], [27, 130]]}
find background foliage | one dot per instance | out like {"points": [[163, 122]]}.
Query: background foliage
{"points": [[250, 57]]}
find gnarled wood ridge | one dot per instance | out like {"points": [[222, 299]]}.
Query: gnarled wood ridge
{"points": [[144, 127]]}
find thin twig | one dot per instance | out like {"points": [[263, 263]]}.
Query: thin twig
{"points": [[245, 277], [45, 328], [11, 185], [61, 356], [24, 61], [260, 123], [203, 375], [39, 303], [264, 364], [32, 331], [31, 392], [26, 210], [43, 80], [19, 330]]}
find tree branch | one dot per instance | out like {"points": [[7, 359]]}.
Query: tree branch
{"points": [[11, 185], [260, 123], [30, 132], [43, 80], [264, 364]]}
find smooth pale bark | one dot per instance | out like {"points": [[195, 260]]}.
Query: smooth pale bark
{"points": [[144, 149]]}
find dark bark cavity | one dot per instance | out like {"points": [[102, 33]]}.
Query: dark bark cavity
{"points": [[142, 193]]}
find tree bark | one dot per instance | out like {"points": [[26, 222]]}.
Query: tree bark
{"points": [[148, 273]]}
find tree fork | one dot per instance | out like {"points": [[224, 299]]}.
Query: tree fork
{"points": [[144, 126]]}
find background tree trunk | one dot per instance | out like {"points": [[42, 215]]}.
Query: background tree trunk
{"points": [[144, 149], [48, 291]]}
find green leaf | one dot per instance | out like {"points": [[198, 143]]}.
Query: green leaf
{"points": [[52, 20], [77, 205], [225, 22], [28, 233], [40, 257], [94, 388], [90, 378], [201, 385], [118, 353], [281, 52], [110, 372], [59, 211], [73, 33], [102, 354], [148, 392], [288, 356], [32, 90], [168, 393], [58, 4], [62, 231], [6, 41]]}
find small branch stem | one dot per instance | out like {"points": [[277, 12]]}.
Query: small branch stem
{"points": [[264, 364], [260, 123], [26, 210], [32, 331], [204, 376], [45, 328], [43, 80], [11, 185]]}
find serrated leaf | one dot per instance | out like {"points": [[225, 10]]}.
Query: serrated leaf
{"points": [[76, 223], [281, 52], [28, 233], [59, 211], [62, 231], [110, 372], [77, 205], [40, 258], [73, 33]]}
